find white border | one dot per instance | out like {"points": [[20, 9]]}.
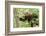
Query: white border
{"points": [[25, 29]]}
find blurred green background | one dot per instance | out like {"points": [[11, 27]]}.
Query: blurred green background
{"points": [[19, 12]]}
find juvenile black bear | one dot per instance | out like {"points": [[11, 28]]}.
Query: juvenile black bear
{"points": [[29, 16]]}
